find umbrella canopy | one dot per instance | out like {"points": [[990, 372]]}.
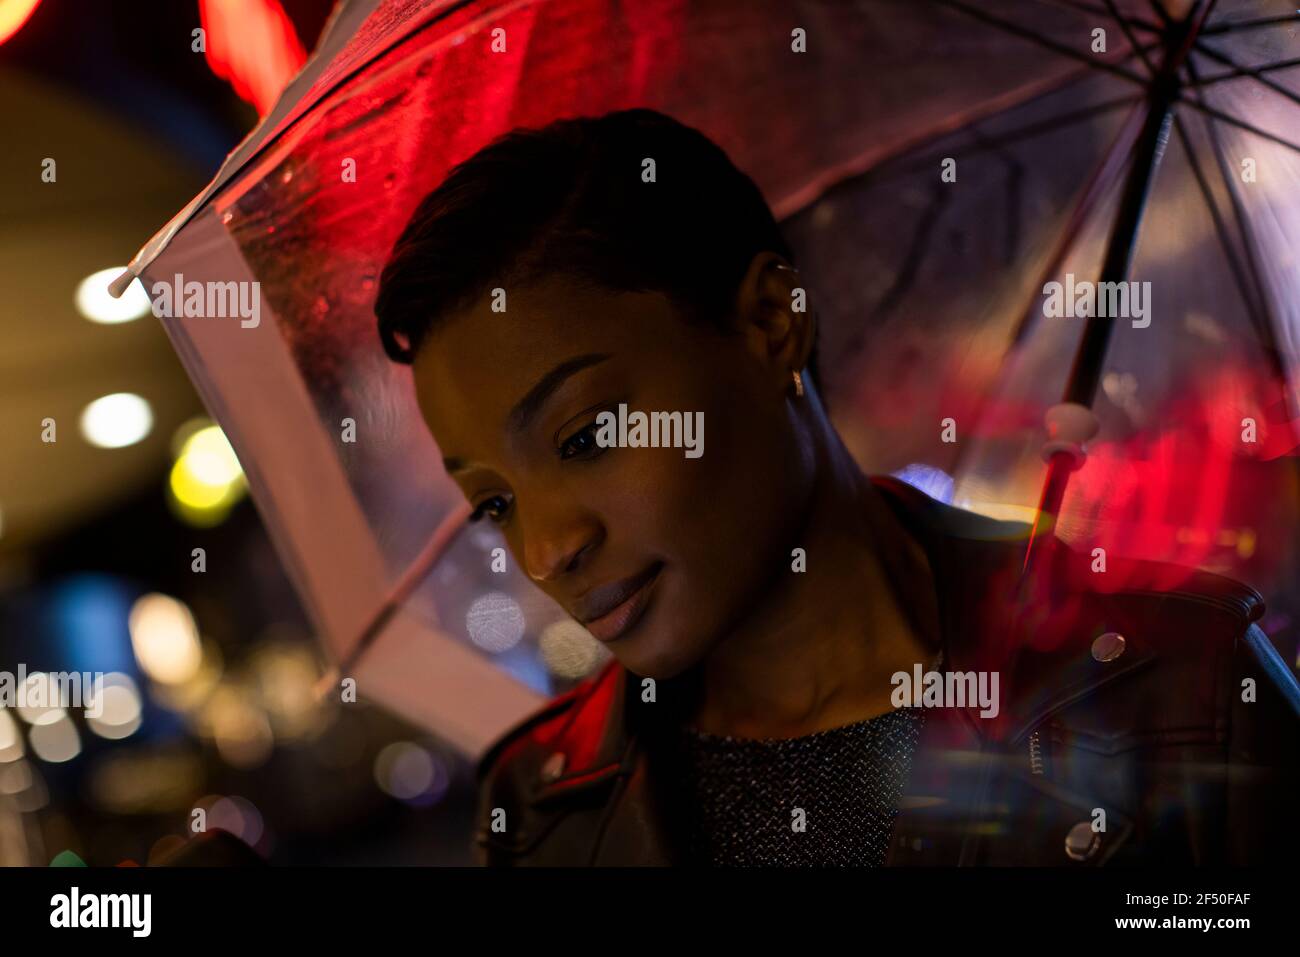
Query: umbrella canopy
{"points": [[935, 165]]}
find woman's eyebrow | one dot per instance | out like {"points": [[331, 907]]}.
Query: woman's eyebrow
{"points": [[528, 407]]}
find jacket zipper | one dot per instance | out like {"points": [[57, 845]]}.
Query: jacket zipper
{"points": [[1036, 762]]}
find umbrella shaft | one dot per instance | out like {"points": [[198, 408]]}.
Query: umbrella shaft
{"points": [[1081, 387], [1085, 373]]}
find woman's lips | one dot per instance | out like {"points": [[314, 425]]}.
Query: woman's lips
{"points": [[610, 611]]}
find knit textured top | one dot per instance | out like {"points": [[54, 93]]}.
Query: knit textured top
{"points": [[827, 799]]}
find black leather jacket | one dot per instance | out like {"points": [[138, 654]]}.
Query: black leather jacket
{"points": [[1123, 736]]}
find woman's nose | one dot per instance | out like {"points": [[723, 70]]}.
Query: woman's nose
{"points": [[555, 546]]}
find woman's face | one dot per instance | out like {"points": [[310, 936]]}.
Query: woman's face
{"points": [[656, 553]]}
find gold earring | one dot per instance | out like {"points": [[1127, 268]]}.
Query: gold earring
{"points": [[798, 383]]}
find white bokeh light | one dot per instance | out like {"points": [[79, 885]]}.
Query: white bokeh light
{"points": [[39, 687], [56, 742], [569, 650], [117, 420], [165, 638], [119, 708], [97, 304], [495, 622]]}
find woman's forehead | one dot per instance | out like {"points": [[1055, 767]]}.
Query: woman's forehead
{"points": [[475, 368], [510, 331]]}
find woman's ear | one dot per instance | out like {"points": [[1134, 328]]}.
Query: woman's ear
{"points": [[773, 312]]}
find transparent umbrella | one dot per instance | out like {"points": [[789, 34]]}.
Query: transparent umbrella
{"points": [[935, 165]]}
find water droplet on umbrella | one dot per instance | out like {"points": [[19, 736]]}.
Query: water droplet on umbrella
{"points": [[226, 217], [389, 180], [286, 176]]}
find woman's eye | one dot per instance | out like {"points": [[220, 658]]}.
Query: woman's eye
{"points": [[494, 508], [581, 444]]}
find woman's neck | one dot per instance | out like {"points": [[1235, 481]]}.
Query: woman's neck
{"points": [[819, 648]]}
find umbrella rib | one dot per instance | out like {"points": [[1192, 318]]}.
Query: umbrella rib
{"points": [[1160, 12], [1247, 238], [1241, 124], [1016, 29], [1254, 73], [856, 171], [1024, 132], [1100, 179], [1015, 177], [1090, 357], [1221, 28], [1128, 35], [912, 260], [436, 546], [911, 265], [1250, 292], [1239, 71]]}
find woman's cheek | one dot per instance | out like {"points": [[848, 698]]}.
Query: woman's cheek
{"points": [[655, 493]]}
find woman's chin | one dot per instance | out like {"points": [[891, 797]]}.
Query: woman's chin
{"points": [[653, 654]]}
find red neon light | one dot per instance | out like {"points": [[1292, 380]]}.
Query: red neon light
{"points": [[13, 14], [252, 45]]}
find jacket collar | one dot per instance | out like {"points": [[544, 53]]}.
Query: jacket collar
{"points": [[1036, 633]]}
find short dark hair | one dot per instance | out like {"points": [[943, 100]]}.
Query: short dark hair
{"points": [[568, 198]]}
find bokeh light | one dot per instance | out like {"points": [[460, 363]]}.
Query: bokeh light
{"points": [[116, 421], [206, 479], [285, 676], [57, 741], [495, 622], [15, 778], [161, 780], [410, 773], [569, 650], [240, 729], [192, 694], [38, 687], [11, 738], [238, 816], [165, 639], [119, 708], [97, 304]]}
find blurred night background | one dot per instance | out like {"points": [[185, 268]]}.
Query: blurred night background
{"points": [[113, 476], [208, 701]]}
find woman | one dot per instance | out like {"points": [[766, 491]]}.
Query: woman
{"points": [[811, 666]]}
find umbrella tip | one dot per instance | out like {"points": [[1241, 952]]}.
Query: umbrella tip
{"points": [[118, 285]]}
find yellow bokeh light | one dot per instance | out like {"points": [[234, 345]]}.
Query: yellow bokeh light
{"points": [[206, 479]]}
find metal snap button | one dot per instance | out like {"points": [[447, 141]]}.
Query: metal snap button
{"points": [[1082, 842], [1109, 646], [553, 767]]}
